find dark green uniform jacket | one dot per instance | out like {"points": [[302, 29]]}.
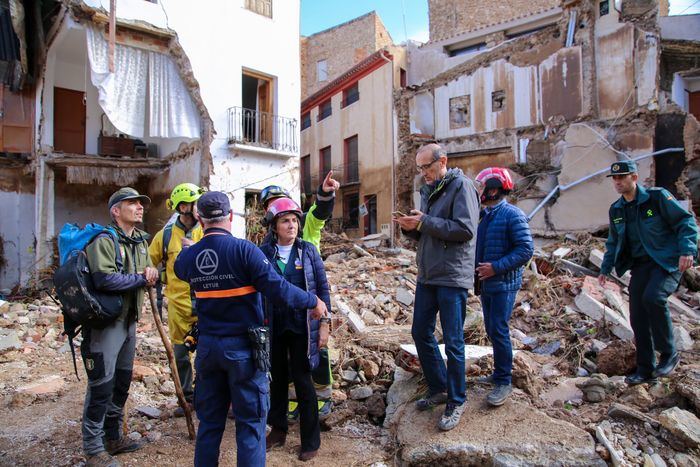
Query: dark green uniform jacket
{"points": [[130, 281], [667, 231]]}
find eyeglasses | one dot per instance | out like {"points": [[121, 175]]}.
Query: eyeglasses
{"points": [[424, 167]]}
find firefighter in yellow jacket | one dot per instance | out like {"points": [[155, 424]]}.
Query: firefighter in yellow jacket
{"points": [[181, 231]]}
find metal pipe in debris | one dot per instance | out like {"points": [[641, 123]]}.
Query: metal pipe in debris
{"points": [[595, 174]]}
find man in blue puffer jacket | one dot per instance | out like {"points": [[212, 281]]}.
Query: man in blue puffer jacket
{"points": [[503, 246]]}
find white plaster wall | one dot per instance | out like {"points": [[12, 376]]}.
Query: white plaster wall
{"points": [[523, 79], [647, 60], [80, 211], [678, 92], [16, 229], [428, 61], [421, 108], [221, 37], [76, 76], [680, 27]]}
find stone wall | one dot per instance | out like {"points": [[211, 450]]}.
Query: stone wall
{"points": [[595, 102], [341, 47], [451, 17]]}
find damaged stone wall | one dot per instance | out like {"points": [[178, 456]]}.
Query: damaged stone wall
{"points": [[451, 17], [592, 104], [689, 181], [341, 47], [191, 161]]}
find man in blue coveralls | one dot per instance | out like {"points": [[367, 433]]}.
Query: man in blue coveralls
{"points": [[227, 275]]}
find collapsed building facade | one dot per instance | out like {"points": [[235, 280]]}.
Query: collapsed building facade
{"points": [[556, 91], [151, 108]]}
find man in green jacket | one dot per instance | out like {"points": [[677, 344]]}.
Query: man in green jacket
{"points": [[108, 353], [654, 236]]}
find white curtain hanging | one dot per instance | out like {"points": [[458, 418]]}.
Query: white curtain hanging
{"points": [[122, 94], [172, 112]]}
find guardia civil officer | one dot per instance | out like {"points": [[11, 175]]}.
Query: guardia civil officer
{"points": [[228, 275], [654, 236]]}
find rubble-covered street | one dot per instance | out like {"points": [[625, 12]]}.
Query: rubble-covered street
{"points": [[570, 407]]}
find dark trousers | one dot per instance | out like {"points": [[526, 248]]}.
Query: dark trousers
{"points": [[226, 375], [290, 348], [497, 308], [108, 356], [649, 289], [184, 370], [451, 302]]}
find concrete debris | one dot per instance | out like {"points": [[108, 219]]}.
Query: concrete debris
{"points": [[565, 392], [618, 410], [594, 388], [687, 385], [361, 251], [592, 308], [596, 258], [374, 240], [404, 296], [563, 351], [686, 460], [483, 438], [150, 412], [561, 252], [682, 339], [360, 392], [602, 437], [9, 340], [682, 424], [675, 304], [353, 318], [637, 395], [402, 390]]}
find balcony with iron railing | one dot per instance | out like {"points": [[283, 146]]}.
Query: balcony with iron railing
{"points": [[262, 129], [261, 7]]}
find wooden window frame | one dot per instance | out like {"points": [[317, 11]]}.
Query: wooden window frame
{"points": [[322, 169], [346, 160], [305, 120], [321, 114], [351, 97]]}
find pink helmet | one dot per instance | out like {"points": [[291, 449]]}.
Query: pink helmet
{"points": [[280, 206], [498, 174]]}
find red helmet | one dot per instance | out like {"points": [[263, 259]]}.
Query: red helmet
{"points": [[500, 176], [279, 207]]}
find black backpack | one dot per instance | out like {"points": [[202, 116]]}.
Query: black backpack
{"points": [[83, 305]]}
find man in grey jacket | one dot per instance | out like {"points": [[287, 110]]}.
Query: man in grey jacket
{"points": [[445, 228]]}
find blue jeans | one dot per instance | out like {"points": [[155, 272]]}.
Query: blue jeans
{"points": [[497, 308], [451, 302], [226, 375]]}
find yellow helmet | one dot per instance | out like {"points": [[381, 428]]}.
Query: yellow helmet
{"points": [[184, 193]]}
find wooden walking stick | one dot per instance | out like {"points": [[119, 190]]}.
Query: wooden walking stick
{"points": [[171, 359]]}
